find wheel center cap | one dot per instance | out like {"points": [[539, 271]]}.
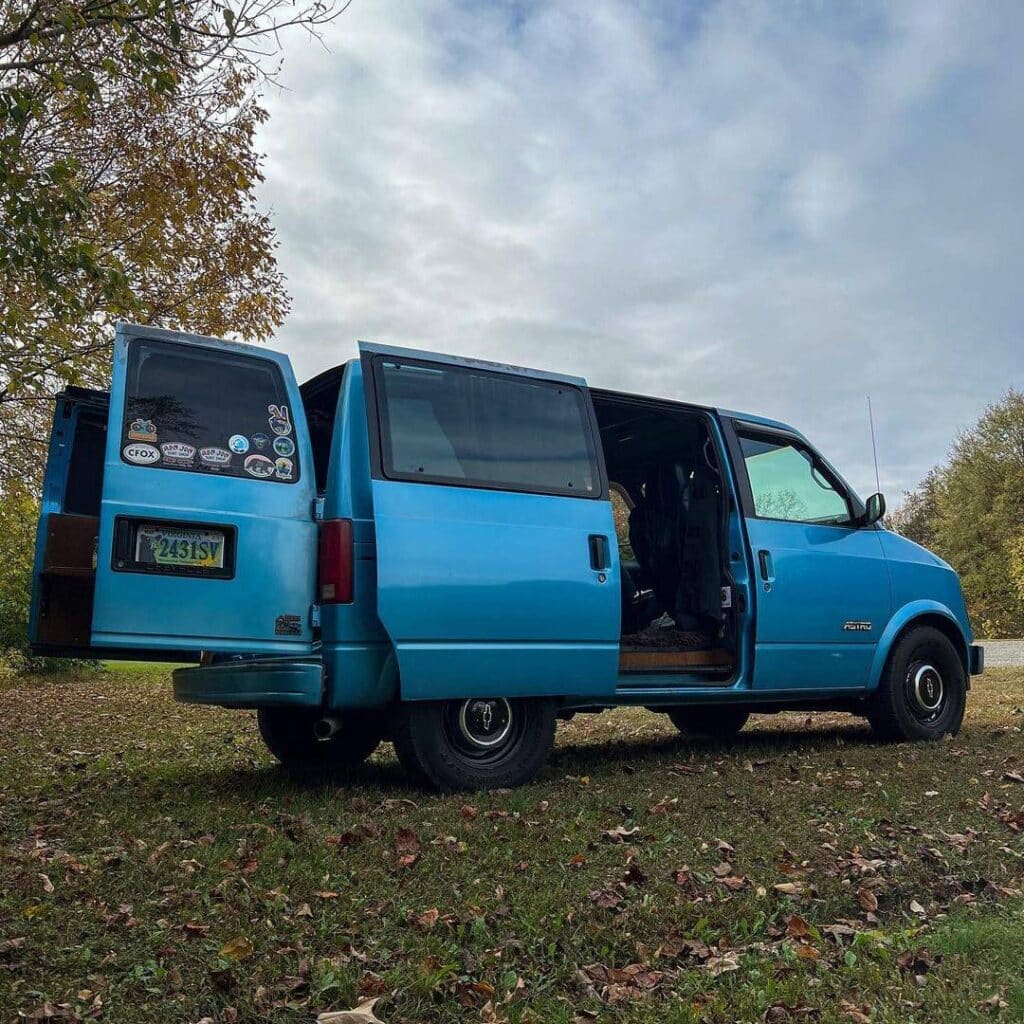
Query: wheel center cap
{"points": [[928, 688], [485, 723]]}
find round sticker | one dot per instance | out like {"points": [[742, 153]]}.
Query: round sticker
{"points": [[283, 469], [259, 466], [284, 446], [238, 443], [260, 441], [141, 454]]}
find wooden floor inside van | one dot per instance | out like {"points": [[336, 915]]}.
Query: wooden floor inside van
{"points": [[648, 660]]}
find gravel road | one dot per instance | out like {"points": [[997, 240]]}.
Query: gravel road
{"points": [[1003, 653]]}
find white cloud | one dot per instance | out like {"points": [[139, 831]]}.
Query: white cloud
{"points": [[772, 207]]}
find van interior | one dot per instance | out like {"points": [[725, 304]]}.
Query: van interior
{"points": [[671, 518]]}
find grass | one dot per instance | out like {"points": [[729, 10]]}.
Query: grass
{"points": [[156, 866]]}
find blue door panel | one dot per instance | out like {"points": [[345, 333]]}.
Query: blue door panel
{"points": [[492, 592], [276, 540], [489, 592], [823, 599]]}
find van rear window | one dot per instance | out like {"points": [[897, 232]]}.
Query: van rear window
{"points": [[207, 411], [477, 428]]}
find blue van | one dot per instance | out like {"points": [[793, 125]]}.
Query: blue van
{"points": [[453, 554]]}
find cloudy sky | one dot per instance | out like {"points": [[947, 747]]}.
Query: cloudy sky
{"points": [[772, 206]]}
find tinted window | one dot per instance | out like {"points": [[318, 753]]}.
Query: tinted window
{"points": [[473, 427], [207, 411], [787, 482]]}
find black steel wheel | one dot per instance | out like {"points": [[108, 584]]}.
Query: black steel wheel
{"points": [[304, 740], [474, 743], [923, 692]]}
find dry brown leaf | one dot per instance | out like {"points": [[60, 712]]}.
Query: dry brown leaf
{"points": [[620, 833], [867, 901], [427, 919], [362, 1014]]}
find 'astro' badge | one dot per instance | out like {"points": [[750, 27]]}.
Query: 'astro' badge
{"points": [[284, 446], [142, 430], [238, 443], [283, 469], [280, 422], [259, 466], [260, 442], [140, 454], [177, 453]]}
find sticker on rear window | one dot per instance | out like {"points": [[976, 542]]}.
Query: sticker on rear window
{"points": [[280, 422], [140, 454], [259, 466]]}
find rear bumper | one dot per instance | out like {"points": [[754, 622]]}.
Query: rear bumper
{"points": [[975, 659], [252, 684]]}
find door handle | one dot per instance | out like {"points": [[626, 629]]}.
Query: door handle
{"points": [[599, 560], [764, 558]]}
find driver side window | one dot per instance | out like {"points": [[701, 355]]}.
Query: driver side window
{"points": [[788, 483]]}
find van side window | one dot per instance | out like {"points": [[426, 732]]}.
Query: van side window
{"points": [[455, 424], [207, 411], [788, 482]]}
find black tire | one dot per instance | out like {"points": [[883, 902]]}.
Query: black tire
{"points": [[482, 743], [289, 736], [923, 692], [721, 722]]}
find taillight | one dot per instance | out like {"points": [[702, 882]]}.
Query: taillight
{"points": [[336, 561]]}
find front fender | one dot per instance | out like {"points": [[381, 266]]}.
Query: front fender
{"points": [[903, 618]]}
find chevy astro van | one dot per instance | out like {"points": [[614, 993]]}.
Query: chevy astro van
{"points": [[453, 554]]}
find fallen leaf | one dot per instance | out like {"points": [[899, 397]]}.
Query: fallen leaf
{"points": [[854, 1013], [994, 1002], [237, 949], [427, 919], [362, 1014], [620, 833], [867, 901]]}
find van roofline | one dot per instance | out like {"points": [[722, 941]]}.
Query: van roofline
{"points": [[745, 417]]}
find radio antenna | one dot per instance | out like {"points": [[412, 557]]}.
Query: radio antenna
{"points": [[874, 447]]}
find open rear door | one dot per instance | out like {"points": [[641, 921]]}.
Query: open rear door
{"points": [[497, 565], [206, 533]]}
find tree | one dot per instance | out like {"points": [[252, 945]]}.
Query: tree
{"points": [[127, 186], [970, 511]]}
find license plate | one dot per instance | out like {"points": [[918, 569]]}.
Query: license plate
{"points": [[177, 546]]}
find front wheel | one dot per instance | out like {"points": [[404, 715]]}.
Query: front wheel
{"points": [[480, 743], [720, 723], [923, 692], [304, 740]]}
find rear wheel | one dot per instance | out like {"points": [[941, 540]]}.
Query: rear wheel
{"points": [[923, 693], [304, 740], [480, 743], [721, 723]]}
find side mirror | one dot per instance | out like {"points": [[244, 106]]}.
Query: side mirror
{"points": [[874, 509]]}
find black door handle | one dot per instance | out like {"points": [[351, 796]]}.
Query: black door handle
{"points": [[599, 560], [767, 568]]}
